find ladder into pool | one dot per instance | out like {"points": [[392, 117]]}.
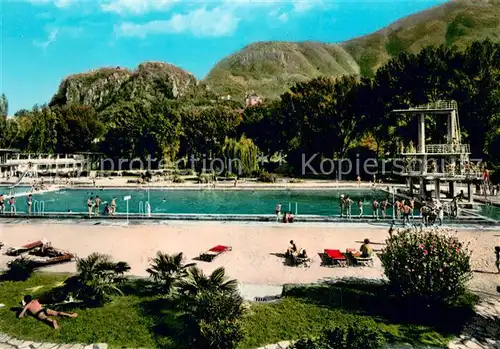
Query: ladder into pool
{"points": [[38, 207]]}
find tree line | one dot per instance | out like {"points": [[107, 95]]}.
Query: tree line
{"points": [[325, 116]]}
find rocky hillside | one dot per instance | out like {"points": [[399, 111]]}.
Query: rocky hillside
{"points": [[456, 23], [102, 87], [270, 68]]}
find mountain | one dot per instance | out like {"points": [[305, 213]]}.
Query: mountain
{"points": [[455, 23], [270, 68], [104, 86]]}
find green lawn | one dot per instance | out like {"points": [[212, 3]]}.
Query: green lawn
{"points": [[149, 321]]}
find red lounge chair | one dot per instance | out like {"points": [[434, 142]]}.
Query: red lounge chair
{"points": [[214, 252], [17, 251], [336, 257]]}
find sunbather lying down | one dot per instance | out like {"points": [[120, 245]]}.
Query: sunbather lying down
{"points": [[38, 311]]}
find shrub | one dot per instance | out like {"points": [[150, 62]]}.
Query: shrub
{"points": [[205, 178], [97, 279], [430, 265], [341, 338], [215, 320], [267, 177], [177, 179], [20, 269], [167, 270], [197, 282]]}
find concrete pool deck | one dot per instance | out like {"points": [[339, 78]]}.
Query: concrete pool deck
{"points": [[253, 258]]}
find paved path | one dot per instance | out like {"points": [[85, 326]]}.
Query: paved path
{"points": [[8, 342]]}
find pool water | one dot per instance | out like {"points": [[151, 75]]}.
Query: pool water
{"points": [[490, 211], [6, 190], [314, 202]]}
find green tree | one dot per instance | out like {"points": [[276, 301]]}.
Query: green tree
{"points": [[197, 282], [322, 116], [97, 279], [205, 129], [77, 127], [241, 156], [168, 270], [42, 133], [4, 107], [215, 321], [141, 129]]}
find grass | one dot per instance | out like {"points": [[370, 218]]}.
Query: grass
{"points": [[142, 320]]}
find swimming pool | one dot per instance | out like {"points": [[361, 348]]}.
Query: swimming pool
{"points": [[227, 202], [490, 211], [7, 190]]}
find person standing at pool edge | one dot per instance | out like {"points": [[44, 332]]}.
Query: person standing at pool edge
{"points": [[360, 206], [348, 203], [12, 203], [375, 208], [90, 205], [342, 204], [278, 212], [113, 206], [2, 204], [30, 203], [97, 204]]}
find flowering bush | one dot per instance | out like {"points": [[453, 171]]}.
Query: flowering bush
{"points": [[430, 264]]}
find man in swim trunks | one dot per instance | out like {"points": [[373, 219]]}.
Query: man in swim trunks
{"points": [[2, 204], [30, 203], [38, 311], [97, 205]]}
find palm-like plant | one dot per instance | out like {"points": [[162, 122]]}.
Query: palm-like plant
{"points": [[97, 279], [168, 270], [197, 282]]}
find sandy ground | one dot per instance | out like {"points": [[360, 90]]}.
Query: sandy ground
{"points": [[251, 261]]}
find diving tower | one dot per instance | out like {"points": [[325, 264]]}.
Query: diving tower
{"points": [[448, 162]]}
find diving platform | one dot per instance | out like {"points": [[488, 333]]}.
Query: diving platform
{"points": [[437, 163]]}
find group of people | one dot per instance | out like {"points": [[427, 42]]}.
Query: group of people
{"points": [[293, 253], [11, 202], [285, 217], [94, 204], [403, 208]]}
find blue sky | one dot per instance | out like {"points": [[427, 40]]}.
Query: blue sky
{"points": [[42, 41]]}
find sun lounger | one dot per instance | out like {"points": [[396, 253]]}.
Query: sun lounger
{"points": [[296, 260], [358, 260], [13, 251], [40, 262], [214, 252], [336, 257], [302, 262]]}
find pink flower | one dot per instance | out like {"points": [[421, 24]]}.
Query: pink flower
{"points": [[422, 246], [425, 252]]}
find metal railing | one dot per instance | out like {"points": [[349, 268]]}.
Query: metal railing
{"points": [[447, 148], [38, 206], [442, 104]]}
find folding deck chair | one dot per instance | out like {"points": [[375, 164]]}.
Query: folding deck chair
{"points": [[358, 260], [39, 262], [335, 257], [214, 252], [13, 251]]}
